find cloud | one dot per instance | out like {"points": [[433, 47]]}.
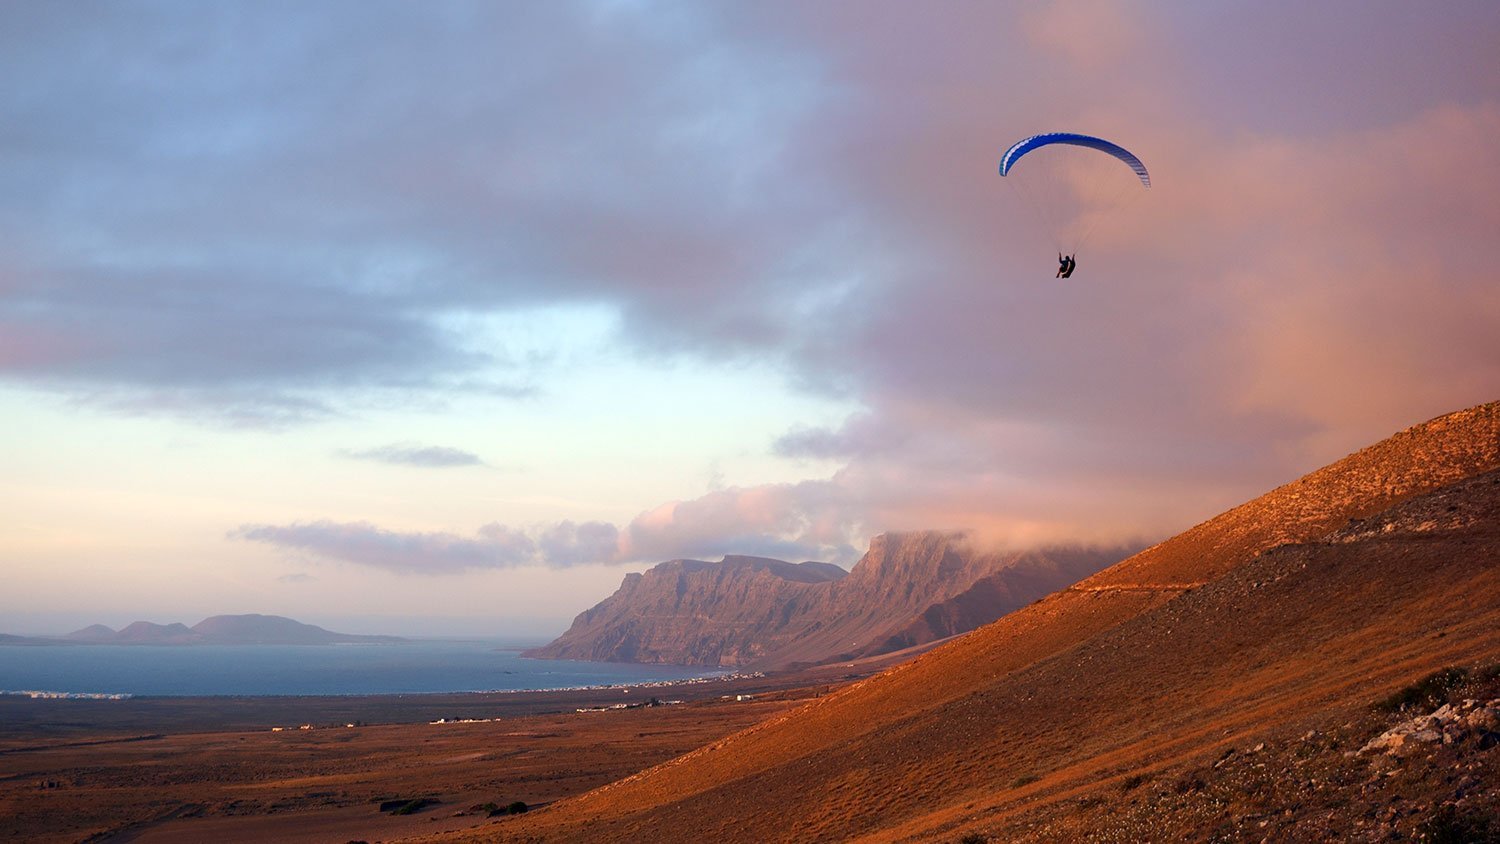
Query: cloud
{"points": [[413, 455], [269, 228], [806, 520], [493, 546], [366, 545], [296, 577], [861, 434], [803, 521], [1287, 291], [203, 231], [568, 544]]}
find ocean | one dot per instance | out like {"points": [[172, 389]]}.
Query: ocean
{"points": [[412, 667]]}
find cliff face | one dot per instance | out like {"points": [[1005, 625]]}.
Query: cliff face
{"points": [[691, 612], [909, 589]]}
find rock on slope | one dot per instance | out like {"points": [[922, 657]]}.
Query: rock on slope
{"points": [[1286, 616], [909, 589]]}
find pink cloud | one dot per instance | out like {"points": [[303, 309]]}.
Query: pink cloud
{"points": [[811, 520]]}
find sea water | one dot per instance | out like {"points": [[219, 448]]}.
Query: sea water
{"points": [[411, 667]]}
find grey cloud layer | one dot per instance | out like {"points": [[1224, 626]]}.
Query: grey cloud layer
{"points": [[277, 201], [244, 205]]}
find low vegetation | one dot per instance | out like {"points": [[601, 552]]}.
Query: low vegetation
{"points": [[1451, 825], [1427, 693], [407, 806], [1437, 688], [494, 809]]}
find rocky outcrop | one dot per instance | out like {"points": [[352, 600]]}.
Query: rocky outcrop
{"points": [[909, 589], [1468, 720]]}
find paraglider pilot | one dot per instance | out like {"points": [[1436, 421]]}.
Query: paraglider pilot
{"points": [[1065, 265]]}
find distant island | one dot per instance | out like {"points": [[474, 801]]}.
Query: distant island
{"points": [[249, 629]]}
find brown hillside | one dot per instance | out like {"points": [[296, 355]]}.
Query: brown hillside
{"points": [[1204, 642], [1414, 461]]}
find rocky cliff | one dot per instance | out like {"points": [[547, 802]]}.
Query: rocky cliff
{"points": [[909, 589], [692, 612]]}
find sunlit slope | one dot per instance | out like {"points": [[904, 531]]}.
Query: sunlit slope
{"points": [[1414, 461], [1187, 645]]}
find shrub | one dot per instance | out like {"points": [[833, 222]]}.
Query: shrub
{"points": [[1427, 692], [1028, 779], [974, 838], [1449, 825], [1189, 784], [516, 808], [1132, 782], [409, 807]]}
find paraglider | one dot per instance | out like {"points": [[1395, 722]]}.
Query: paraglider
{"points": [[1025, 145], [1071, 187]]}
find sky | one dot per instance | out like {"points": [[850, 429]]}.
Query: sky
{"points": [[440, 318]]}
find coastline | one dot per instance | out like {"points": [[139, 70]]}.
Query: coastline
{"points": [[319, 769], [23, 720], [312, 769]]}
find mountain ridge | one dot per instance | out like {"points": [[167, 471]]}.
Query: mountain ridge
{"points": [[909, 589]]}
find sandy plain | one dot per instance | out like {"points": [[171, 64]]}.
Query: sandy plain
{"points": [[201, 769]]}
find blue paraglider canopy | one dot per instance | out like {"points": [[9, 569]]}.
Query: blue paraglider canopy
{"points": [[1026, 145]]}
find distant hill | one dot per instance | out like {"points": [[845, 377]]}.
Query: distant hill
{"points": [[1217, 686], [146, 633], [272, 630], [93, 633], [910, 589], [220, 630]]}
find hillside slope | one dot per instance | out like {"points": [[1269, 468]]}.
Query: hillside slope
{"points": [[909, 589], [1291, 612]]}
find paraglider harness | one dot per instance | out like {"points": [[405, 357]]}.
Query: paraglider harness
{"points": [[1066, 265]]}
